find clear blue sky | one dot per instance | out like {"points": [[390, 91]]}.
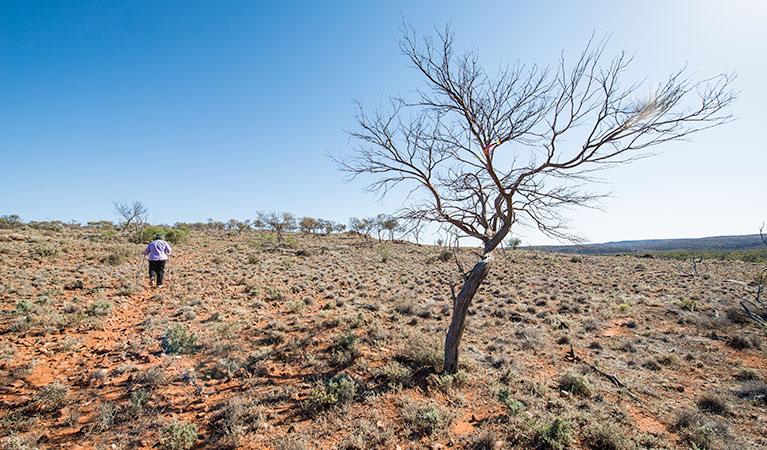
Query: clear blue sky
{"points": [[222, 109]]}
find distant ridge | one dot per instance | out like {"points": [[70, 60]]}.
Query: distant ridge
{"points": [[747, 242]]}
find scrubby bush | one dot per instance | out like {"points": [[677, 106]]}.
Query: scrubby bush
{"points": [[99, 308], [513, 406], [51, 397], [393, 375], [422, 350], [556, 435], [445, 256], [11, 222], [179, 340], [367, 435], [172, 235], [425, 418], [337, 391], [575, 384], [345, 349], [607, 437], [713, 403], [178, 435], [117, 256]]}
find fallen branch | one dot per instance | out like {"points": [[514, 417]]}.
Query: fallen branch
{"points": [[755, 317], [613, 379]]}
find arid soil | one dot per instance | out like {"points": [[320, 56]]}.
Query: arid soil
{"points": [[329, 342]]}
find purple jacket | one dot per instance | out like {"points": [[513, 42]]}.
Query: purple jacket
{"points": [[158, 250]]}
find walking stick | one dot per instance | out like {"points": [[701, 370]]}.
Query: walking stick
{"points": [[170, 271]]}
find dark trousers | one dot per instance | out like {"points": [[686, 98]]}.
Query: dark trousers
{"points": [[156, 271]]}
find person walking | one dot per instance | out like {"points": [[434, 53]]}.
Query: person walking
{"points": [[158, 251]]}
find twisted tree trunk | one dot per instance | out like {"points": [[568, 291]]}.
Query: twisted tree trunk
{"points": [[460, 308]]}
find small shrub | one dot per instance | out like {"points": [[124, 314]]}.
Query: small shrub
{"points": [[384, 252], [117, 256], [425, 419], [273, 294], [742, 343], [575, 384], [106, 416], [445, 256], [367, 435], [150, 378], [696, 430], [607, 437], [713, 403], [51, 397], [337, 391], [689, 304], [556, 435], [747, 374], [179, 340], [178, 435], [24, 307], [239, 415], [394, 374], [667, 360], [485, 440], [99, 308], [139, 402], [422, 350], [447, 382], [345, 349], [513, 406], [754, 390], [46, 252]]}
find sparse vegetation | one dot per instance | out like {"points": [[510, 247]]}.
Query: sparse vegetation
{"points": [[242, 346]]}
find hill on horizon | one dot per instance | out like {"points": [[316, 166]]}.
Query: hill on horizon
{"points": [[749, 242]]}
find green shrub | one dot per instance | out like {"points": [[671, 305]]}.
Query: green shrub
{"points": [[178, 435], [345, 349], [179, 340], [393, 375], [99, 308], [46, 252], [423, 350], [339, 390], [24, 307], [426, 418], [513, 406], [607, 437], [117, 256], [172, 235], [575, 384], [384, 252], [445, 256], [556, 435], [447, 382]]}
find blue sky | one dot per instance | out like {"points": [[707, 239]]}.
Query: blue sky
{"points": [[223, 109]]}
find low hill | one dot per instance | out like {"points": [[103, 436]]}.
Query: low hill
{"points": [[749, 242]]}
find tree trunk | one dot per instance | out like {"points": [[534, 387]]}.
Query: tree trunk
{"points": [[460, 308]]}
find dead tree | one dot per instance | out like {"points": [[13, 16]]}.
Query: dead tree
{"points": [[131, 215], [481, 152], [755, 300]]}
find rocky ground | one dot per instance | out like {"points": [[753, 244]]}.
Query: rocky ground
{"points": [[329, 342]]}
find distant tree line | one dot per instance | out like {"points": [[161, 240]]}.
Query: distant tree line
{"points": [[133, 222]]}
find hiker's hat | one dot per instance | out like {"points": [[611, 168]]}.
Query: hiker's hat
{"points": [[158, 236]]}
